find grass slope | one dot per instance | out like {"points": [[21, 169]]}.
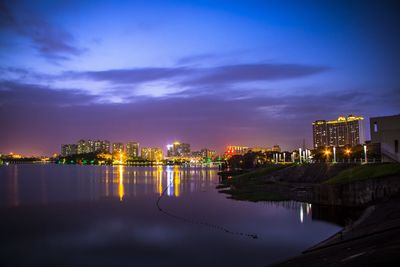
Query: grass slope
{"points": [[365, 172]]}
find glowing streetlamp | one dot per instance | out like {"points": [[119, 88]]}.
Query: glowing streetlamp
{"points": [[327, 153]]}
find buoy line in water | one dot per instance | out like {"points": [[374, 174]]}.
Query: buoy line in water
{"points": [[210, 225]]}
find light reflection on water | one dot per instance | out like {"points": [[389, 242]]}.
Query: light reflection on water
{"points": [[107, 215]]}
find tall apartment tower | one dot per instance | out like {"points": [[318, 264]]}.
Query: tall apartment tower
{"points": [[132, 149], [340, 132]]}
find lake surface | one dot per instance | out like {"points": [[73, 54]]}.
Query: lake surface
{"points": [[71, 215]]}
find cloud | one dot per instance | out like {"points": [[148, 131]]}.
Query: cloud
{"points": [[229, 74], [53, 43], [191, 76], [130, 76]]}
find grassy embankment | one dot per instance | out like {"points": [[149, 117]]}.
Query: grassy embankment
{"points": [[251, 186], [365, 172]]}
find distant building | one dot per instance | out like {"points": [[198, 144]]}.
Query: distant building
{"points": [[85, 146], [91, 146], [117, 148], [102, 146], [207, 153], [178, 149], [260, 149], [386, 132], [132, 149], [69, 150], [340, 132], [236, 150], [152, 154], [276, 148]]}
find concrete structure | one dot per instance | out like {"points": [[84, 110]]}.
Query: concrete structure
{"points": [[341, 132], [152, 154], [132, 149], [69, 150], [386, 132]]}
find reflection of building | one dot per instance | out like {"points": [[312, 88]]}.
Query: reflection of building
{"points": [[340, 132], [69, 149], [386, 132], [178, 149], [236, 150], [118, 148], [152, 154], [132, 149]]}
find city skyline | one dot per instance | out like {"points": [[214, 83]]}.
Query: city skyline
{"points": [[212, 73]]}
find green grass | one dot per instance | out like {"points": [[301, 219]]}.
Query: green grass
{"points": [[259, 172], [365, 172]]}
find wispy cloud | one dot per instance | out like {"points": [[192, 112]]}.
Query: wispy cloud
{"points": [[52, 42]]}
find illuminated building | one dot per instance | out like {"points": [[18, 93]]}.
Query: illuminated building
{"points": [[117, 148], [102, 146], [276, 148], [236, 150], [340, 132], [69, 149], [203, 153], [386, 132], [178, 149], [90, 146], [85, 146], [132, 149], [152, 154]]}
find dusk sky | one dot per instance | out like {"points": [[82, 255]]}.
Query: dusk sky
{"points": [[209, 73]]}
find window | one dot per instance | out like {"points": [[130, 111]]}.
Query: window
{"points": [[375, 127], [396, 146]]}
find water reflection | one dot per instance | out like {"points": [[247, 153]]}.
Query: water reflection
{"points": [[121, 190]]}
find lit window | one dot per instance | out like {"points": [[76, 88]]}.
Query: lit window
{"points": [[375, 127]]}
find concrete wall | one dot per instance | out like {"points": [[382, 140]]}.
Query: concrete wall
{"points": [[385, 130], [356, 194]]}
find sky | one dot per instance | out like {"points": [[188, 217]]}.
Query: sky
{"points": [[209, 73]]}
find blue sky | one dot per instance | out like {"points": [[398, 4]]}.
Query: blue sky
{"points": [[211, 73]]}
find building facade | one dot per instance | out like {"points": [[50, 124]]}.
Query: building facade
{"points": [[152, 154], [117, 148], [178, 149], [69, 150], [132, 149], [341, 132], [236, 150], [386, 132]]}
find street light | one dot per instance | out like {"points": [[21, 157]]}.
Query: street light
{"points": [[327, 153]]}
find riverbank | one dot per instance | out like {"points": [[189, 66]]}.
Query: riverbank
{"points": [[371, 240]]}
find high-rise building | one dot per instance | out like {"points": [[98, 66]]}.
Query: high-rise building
{"points": [[117, 148], [276, 148], [85, 146], [340, 132], [69, 150], [152, 154], [178, 149], [102, 146], [132, 149], [385, 131], [90, 146]]}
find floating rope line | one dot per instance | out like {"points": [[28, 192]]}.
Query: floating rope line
{"points": [[210, 225]]}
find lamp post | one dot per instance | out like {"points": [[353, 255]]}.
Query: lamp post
{"points": [[365, 154], [327, 153], [334, 154]]}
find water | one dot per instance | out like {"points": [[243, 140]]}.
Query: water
{"points": [[70, 215]]}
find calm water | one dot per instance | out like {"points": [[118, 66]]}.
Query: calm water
{"points": [[69, 215]]}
